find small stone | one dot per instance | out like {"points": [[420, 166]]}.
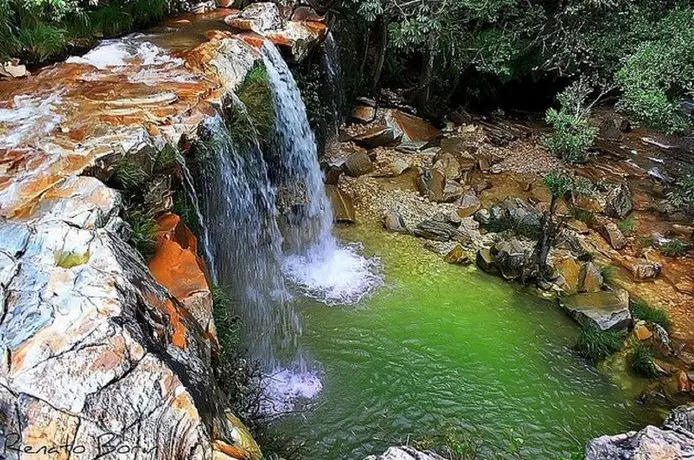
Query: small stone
{"points": [[398, 166], [393, 222], [643, 270], [458, 256], [469, 205], [641, 331], [683, 383], [485, 260], [613, 235]]}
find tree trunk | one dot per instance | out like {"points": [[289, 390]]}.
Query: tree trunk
{"points": [[544, 242], [427, 76], [381, 53]]}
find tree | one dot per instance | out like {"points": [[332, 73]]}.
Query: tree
{"points": [[559, 184]]}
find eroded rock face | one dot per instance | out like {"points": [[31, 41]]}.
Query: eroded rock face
{"points": [[93, 348], [674, 441]]}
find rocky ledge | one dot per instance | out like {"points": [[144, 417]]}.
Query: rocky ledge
{"points": [[101, 352]]}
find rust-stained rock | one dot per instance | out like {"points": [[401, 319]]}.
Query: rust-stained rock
{"points": [[641, 331], [458, 256], [413, 129], [569, 270]]}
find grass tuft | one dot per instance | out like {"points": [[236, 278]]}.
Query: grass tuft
{"points": [[626, 226], [595, 345], [641, 361], [143, 231], [41, 42], [129, 174], [642, 310], [608, 273], [674, 248]]}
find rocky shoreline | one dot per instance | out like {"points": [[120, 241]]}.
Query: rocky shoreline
{"points": [[474, 194]]}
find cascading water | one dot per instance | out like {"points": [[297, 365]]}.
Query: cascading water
{"points": [[314, 261], [331, 61], [244, 243]]}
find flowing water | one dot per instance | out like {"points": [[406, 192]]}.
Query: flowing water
{"points": [[441, 345]]}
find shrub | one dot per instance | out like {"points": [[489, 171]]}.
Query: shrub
{"points": [[596, 345], [585, 216], [641, 361], [673, 248], [572, 135], [129, 174], [41, 42], [659, 72], [682, 194], [626, 226], [642, 310], [256, 94]]}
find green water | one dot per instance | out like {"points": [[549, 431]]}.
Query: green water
{"points": [[444, 345]]}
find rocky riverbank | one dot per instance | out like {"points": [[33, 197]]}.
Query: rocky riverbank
{"points": [[105, 350], [474, 194]]}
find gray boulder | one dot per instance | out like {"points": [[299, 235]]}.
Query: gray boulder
{"points": [[405, 453], [674, 441], [605, 310], [358, 164]]}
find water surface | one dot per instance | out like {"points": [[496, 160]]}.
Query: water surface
{"points": [[443, 345]]}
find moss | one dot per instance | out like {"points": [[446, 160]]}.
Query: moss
{"points": [[641, 361], [71, 259], [596, 345], [256, 94], [608, 273], [642, 310]]}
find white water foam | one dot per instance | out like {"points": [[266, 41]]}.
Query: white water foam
{"points": [[31, 116], [285, 389], [340, 276]]}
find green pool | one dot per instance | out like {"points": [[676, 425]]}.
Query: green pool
{"points": [[440, 346]]}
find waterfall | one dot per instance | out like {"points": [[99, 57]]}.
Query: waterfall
{"points": [[244, 242], [331, 61], [313, 260]]}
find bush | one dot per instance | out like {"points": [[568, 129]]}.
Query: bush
{"points": [[596, 345], [682, 194], [572, 135], [673, 248], [642, 310], [41, 42], [641, 361]]}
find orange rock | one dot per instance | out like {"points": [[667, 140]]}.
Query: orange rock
{"points": [[641, 332], [238, 453]]}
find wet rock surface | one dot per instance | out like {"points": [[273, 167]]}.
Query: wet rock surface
{"points": [[405, 453], [604, 310]]}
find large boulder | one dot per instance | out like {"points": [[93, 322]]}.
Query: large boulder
{"points": [[604, 310], [377, 136], [675, 440], [437, 230], [511, 258], [410, 127], [405, 453]]}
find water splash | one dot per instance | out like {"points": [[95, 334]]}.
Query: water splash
{"points": [[314, 260]]}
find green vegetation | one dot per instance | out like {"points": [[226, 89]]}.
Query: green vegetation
{"points": [[641, 361], [626, 226], [572, 135], [608, 273], [143, 230], [642, 310], [256, 94], [129, 174], [682, 194], [43, 30], [674, 248], [585, 216], [595, 345]]}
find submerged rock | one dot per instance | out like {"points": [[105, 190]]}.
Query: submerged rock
{"points": [[605, 310]]}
